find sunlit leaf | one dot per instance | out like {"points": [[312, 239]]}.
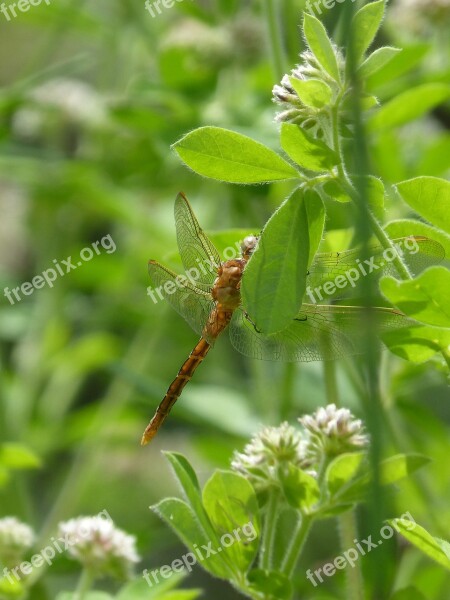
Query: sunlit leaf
{"points": [[430, 197], [365, 25], [305, 150], [300, 489], [320, 44], [421, 539], [312, 92], [342, 469], [424, 298], [377, 60], [274, 281], [229, 156]]}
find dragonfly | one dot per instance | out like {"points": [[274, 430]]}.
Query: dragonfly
{"points": [[211, 303]]}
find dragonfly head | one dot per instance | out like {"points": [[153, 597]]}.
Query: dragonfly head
{"points": [[248, 246]]}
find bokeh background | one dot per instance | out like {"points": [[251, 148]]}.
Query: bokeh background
{"points": [[93, 94]]}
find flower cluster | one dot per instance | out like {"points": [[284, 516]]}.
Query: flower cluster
{"points": [[295, 108], [15, 539], [328, 432], [100, 546]]}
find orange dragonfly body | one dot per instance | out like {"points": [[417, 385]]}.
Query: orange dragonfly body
{"points": [[212, 303]]}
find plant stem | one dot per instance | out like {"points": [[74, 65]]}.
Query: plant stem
{"points": [[275, 37], [293, 553], [268, 535], [84, 584], [347, 533]]}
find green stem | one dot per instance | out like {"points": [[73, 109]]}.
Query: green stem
{"points": [[275, 37], [268, 535], [294, 550], [84, 584], [347, 533]]}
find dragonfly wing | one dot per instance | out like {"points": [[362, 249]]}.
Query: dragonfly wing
{"points": [[319, 332], [343, 268], [196, 249], [193, 304]]}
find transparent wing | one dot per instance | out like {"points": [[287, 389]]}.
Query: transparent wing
{"points": [[193, 304], [319, 332], [418, 252], [196, 250]]}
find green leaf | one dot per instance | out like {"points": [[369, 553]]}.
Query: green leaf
{"points": [[87, 596], [409, 593], [142, 589], [16, 456], [188, 480], [181, 518], [407, 227], [417, 344], [312, 92], [274, 281], [377, 60], [300, 489], [406, 60], [365, 25], [342, 469], [231, 504], [430, 197], [424, 298], [400, 466], [409, 105], [320, 45], [306, 151], [271, 585], [392, 470], [421, 539], [229, 156], [10, 589]]}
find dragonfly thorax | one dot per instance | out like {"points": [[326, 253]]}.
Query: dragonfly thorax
{"points": [[226, 286]]}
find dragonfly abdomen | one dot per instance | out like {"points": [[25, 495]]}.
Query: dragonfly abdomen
{"points": [[176, 387]]}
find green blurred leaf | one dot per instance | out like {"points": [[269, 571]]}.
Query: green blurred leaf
{"points": [[231, 504], [408, 106], [417, 344], [87, 596], [365, 25], [398, 467], [273, 585], [305, 150], [189, 483], [16, 456], [430, 197], [377, 60], [406, 60], [421, 539], [10, 589], [424, 298], [300, 489], [140, 589], [312, 92], [342, 469], [408, 593], [229, 156], [274, 281], [320, 45], [181, 518], [408, 227]]}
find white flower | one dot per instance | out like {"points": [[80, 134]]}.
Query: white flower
{"points": [[100, 546], [15, 539], [333, 431], [267, 451]]}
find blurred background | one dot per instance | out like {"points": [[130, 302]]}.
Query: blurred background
{"points": [[93, 93]]}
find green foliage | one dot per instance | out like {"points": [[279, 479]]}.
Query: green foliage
{"points": [[435, 548], [320, 45], [306, 151], [233, 157]]}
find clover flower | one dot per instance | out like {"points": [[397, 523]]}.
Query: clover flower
{"points": [[331, 431], [15, 539], [100, 546], [285, 95], [271, 448]]}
